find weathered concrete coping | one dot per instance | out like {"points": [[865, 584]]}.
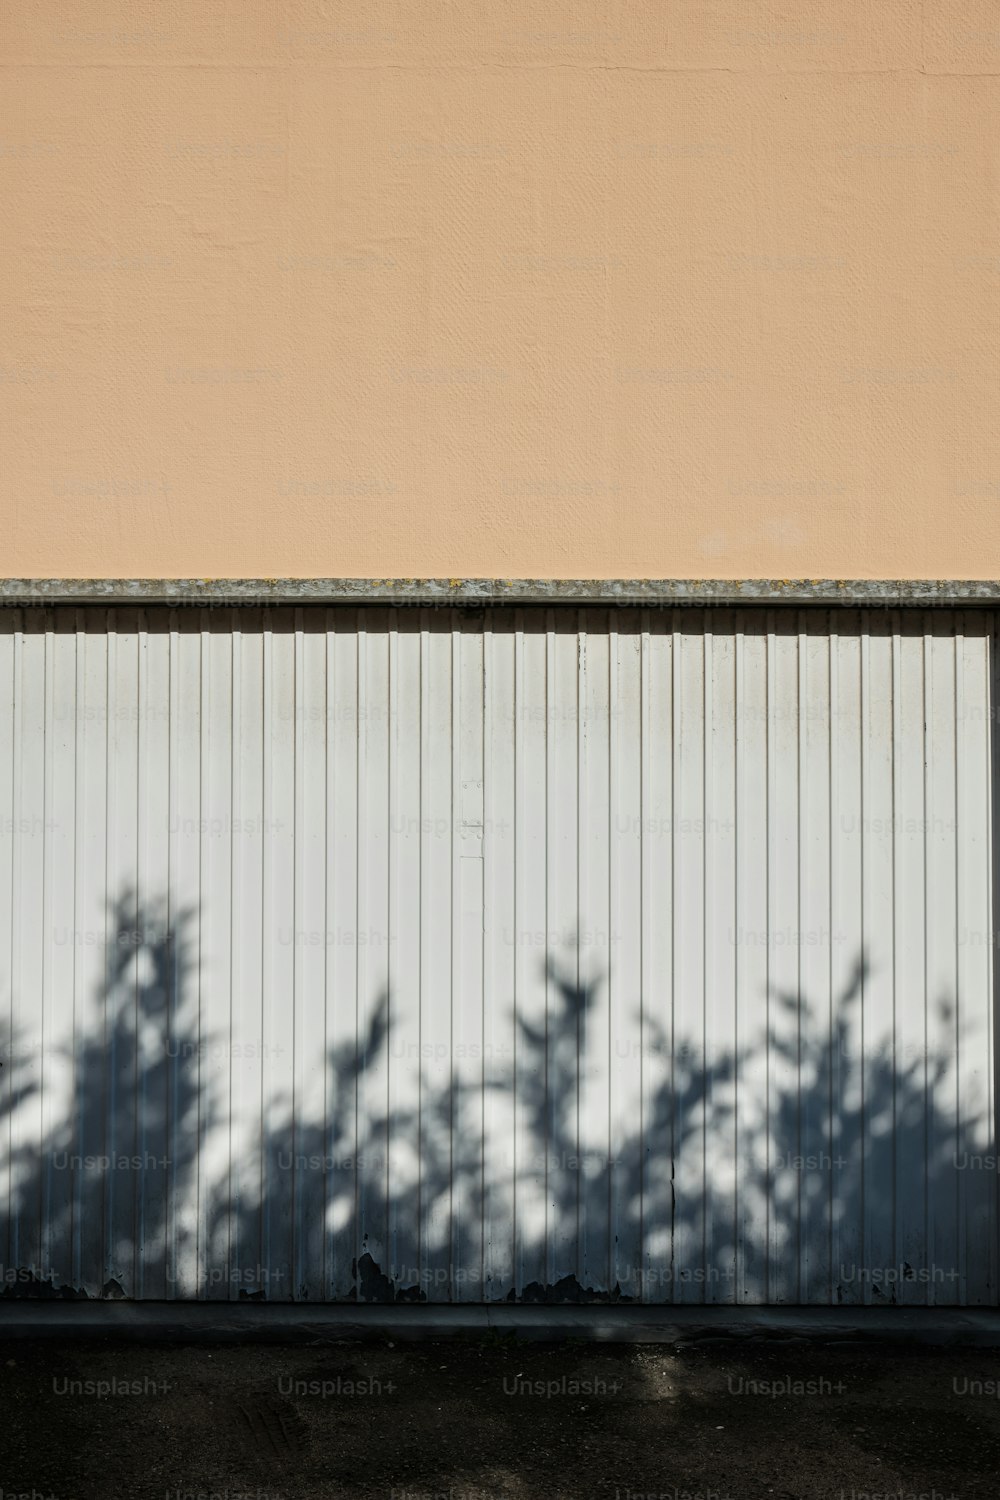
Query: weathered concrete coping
{"points": [[291, 1322], [477, 592]]}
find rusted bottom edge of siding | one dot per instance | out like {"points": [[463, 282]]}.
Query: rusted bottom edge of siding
{"points": [[565, 1303]]}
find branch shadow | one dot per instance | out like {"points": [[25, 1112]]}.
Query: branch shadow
{"points": [[846, 1184]]}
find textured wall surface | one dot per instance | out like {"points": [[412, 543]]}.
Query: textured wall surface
{"points": [[626, 952], [536, 289]]}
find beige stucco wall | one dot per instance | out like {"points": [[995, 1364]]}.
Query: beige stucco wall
{"points": [[453, 287]]}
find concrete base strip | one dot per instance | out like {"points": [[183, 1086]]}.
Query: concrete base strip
{"points": [[293, 1323], [478, 592]]}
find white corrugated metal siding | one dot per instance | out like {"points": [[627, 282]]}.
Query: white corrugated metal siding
{"points": [[534, 953]]}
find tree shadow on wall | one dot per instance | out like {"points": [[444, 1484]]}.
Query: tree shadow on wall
{"points": [[842, 1183], [105, 1194]]}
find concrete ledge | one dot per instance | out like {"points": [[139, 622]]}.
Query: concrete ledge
{"points": [[297, 1322], [477, 592]]}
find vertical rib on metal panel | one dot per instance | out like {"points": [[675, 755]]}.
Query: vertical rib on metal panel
{"points": [[987, 1222], [9, 1038]]}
